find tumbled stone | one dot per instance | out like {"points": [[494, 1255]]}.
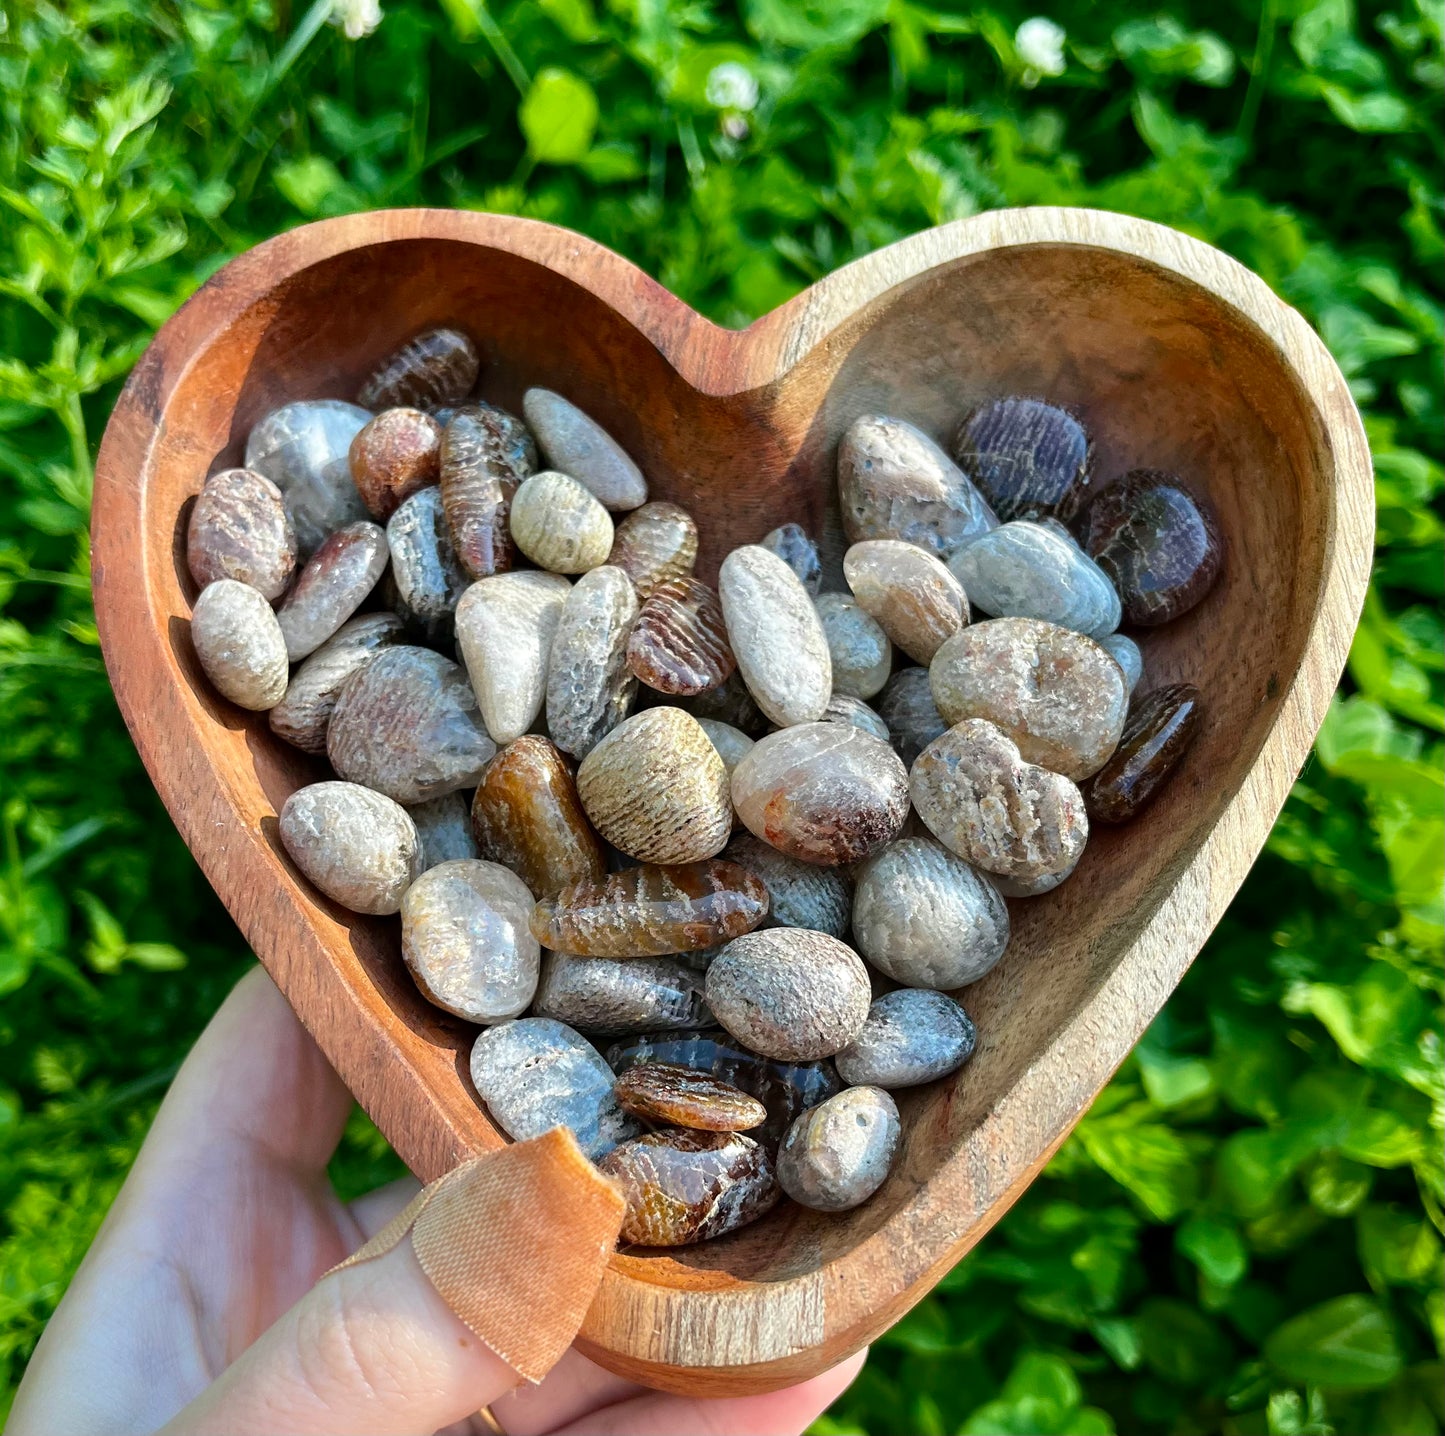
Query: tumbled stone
{"points": [[333, 585], [775, 631], [1160, 727], [444, 826], [838, 1154], [799, 894], [793, 545], [827, 793], [925, 918], [578, 445], [730, 703], [526, 815], [482, 466], [655, 543], [239, 529], [1023, 571], [981, 800], [675, 1096], [394, 455], [505, 628], [859, 650], [557, 523], [436, 367], [536, 1073], [679, 644], [913, 719], [1125, 652], [894, 482], [589, 685], [240, 644], [466, 941], [408, 726], [789, 993], [608, 997], [356, 846], [843, 709], [1056, 693], [1029, 458], [303, 715], [656, 789], [429, 577], [911, 1036], [731, 743], [1032, 887], [918, 602], [508, 435], [683, 1187]]}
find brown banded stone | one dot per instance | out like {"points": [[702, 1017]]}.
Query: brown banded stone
{"points": [[239, 529], [482, 465], [860, 651], [913, 719], [240, 644], [915, 599], [663, 1092], [436, 367], [1160, 727], [655, 543], [356, 846], [679, 644], [607, 997], [1029, 458], [590, 688], [397, 453], [792, 544], [839, 1153], [333, 585]]}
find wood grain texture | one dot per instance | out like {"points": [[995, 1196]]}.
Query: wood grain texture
{"points": [[1175, 357]]}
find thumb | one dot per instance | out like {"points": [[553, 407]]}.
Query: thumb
{"points": [[480, 1284]]}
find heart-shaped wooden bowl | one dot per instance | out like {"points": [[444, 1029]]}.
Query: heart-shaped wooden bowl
{"points": [[1176, 358]]}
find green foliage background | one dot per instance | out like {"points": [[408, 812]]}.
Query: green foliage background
{"points": [[1244, 1234]]}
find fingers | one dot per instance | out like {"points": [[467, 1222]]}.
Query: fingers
{"points": [[574, 1387]]}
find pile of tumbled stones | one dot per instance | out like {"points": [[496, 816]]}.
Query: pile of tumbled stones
{"points": [[689, 835]]}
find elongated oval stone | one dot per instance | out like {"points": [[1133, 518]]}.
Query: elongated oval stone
{"points": [[789, 993], [536, 1073], [394, 455], [776, 634], [466, 941], [482, 466], [843, 709], [333, 585], [652, 911], [915, 599], [799, 894], [1056, 693], [436, 367], [894, 482], [1030, 459], [559, 525], [913, 719], [526, 815], [239, 529], [590, 688], [430, 579], [605, 997], [827, 793], [981, 800], [445, 828], [356, 846], [925, 918], [859, 650], [578, 445], [1125, 652], [792, 544], [303, 715], [731, 743], [240, 644], [911, 1036], [1160, 728], [679, 644], [664, 1092], [303, 449], [505, 628], [656, 789], [730, 703], [655, 543], [683, 1187], [408, 726], [838, 1154]]}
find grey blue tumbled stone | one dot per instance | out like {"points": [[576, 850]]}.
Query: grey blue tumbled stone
{"points": [[910, 1036]]}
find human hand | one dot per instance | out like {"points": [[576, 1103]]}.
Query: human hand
{"points": [[204, 1303]]}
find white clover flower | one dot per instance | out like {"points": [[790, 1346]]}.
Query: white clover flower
{"points": [[358, 18], [731, 86], [1040, 43]]}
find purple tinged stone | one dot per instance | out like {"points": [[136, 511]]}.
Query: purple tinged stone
{"points": [[1029, 458]]}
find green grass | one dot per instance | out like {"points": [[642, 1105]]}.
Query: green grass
{"points": [[1244, 1234]]}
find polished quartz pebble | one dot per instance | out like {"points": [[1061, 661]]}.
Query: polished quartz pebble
{"points": [[925, 918], [775, 631], [656, 789], [356, 846], [838, 1154], [437, 367], [465, 940], [559, 525], [577, 445], [789, 993], [911, 1036], [607, 997], [239, 529], [730, 703], [981, 800], [303, 449], [444, 826], [505, 628], [1022, 570], [860, 651], [655, 543], [590, 688], [408, 726], [1125, 652], [668, 1094], [843, 709], [1029, 458], [482, 465], [827, 793], [918, 602], [679, 644], [894, 482], [430, 579], [1056, 693], [397, 453], [1161, 726], [792, 544], [907, 707], [333, 585], [799, 894], [683, 1187], [536, 1073], [303, 715], [732, 744], [1158, 543], [526, 815], [240, 644]]}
